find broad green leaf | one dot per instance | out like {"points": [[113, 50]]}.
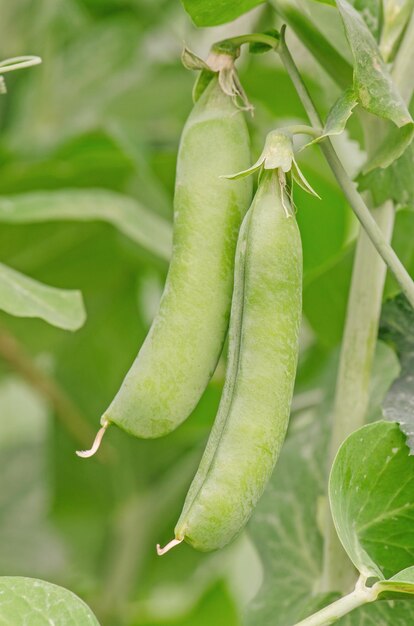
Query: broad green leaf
{"points": [[372, 82], [396, 182], [397, 327], [371, 493], [25, 297], [286, 526], [39, 603], [146, 228], [213, 12]]}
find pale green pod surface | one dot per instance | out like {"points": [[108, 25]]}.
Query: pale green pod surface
{"points": [[254, 410], [181, 350]]}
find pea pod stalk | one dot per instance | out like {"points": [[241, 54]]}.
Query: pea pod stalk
{"points": [[254, 410]]}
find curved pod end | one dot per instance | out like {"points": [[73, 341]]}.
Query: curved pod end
{"points": [[86, 454], [174, 542]]}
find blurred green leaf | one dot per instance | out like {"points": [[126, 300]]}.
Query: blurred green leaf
{"points": [[144, 227], [25, 297], [371, 12], [92, 159], [325, 297], [83, 77], [30, 601], [211, 12], [371, 492], [29, 544], [214, 607], [396, 15]]}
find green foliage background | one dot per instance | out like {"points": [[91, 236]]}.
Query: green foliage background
{"points": [[104, 112]]}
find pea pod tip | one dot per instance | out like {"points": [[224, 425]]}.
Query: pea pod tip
{"points": [[86, 454], [168, 547]]}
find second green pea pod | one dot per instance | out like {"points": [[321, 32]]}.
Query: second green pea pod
{"points": [[253, 415]]}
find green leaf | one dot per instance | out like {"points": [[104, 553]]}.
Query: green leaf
{"points": [[397, 327], [39, 603], [144, 227], [213, 12], [371, 493], [24, 297], [372, 82], [396, 182]]}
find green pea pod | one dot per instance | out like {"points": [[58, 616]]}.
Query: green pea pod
{"points": [[181, 350], [254, 410]]}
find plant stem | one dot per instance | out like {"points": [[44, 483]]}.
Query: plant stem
{"points": [[348, 187], [339, 608]]}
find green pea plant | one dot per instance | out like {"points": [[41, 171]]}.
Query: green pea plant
{"points": [[327, 496]]}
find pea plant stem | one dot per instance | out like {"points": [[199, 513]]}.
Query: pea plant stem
{"points": [[348, 187]]}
